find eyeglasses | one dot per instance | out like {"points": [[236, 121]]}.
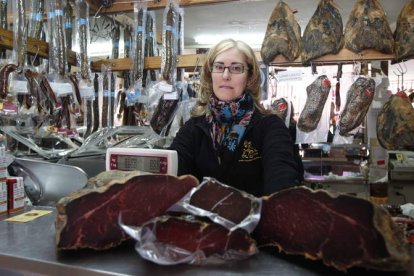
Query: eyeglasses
{"points": [[235, 68]]}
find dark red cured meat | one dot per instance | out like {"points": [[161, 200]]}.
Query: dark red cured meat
{"points": [[225, 201], [342, 231], [88, 218], [194, 235]]}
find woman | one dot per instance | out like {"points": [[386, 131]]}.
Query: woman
{"points": [[230, 136]]}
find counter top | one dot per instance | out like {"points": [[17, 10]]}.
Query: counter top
{"points": [[30, 247]]}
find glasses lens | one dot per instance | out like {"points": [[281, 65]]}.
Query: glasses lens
{"points": [[218, 68], [236, 68]]}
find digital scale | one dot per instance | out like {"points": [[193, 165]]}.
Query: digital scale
{"points": [[141, 159]]}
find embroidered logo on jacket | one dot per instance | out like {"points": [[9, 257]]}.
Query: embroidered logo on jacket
{"points": [[249, 152]]}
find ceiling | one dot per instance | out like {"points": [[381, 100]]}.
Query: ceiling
{"points": [[247, 19]]}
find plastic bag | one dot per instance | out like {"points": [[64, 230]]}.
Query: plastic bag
{"points": [[169, 240], [244, 211]]}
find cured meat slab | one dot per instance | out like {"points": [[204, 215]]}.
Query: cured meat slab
{"points": [[404, 33], [324, 33], [223, 204], [173, 240], [318, 93], [395, 123], [368, 28], [88, 218], [282, 35], [342, 231], [358, 99]]}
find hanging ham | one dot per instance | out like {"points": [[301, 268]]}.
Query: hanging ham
{"points": [[395, 123], [368, 28], [324, 33], [404, 33], [282, 35]]}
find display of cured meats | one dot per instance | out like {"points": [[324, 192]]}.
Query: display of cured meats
{"points": [[342, 231], [318, 93], [88, 218], [395, 123], [324, 33], [404, 33], [171, 240], [282, 35], [358, 99], [368, 28]]}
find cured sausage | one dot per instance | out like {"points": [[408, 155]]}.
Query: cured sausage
{"points": [[368, 28], [88, 218], [343, 231], [324, 33], [282, 35], [358, 99], [318, 93]]}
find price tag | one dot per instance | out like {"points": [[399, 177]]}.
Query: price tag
{"points": [[400, 156], [86, 90], [61, 88], [19, 87]]}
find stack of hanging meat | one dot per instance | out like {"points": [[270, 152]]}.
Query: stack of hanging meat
{"points": [[395, 123], [282, 35], [342, 231]]}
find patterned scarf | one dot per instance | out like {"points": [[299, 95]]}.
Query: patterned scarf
{"points": [[228, 121]]}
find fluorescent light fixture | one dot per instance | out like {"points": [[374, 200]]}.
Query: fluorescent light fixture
{"points": [[255, 40]]}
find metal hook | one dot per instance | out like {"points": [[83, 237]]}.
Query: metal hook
{"points": [[398, 81], [96, 14], [402, 72]]}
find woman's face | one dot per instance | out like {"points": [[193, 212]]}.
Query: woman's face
{"points": [[227, 85]]}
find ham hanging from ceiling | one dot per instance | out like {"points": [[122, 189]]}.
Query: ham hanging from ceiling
{"points": [[358, 99], [404, 33], [88, 218], [324, 33], [318, 93], [342, 231], [395, 123], [282, 35], [368, 28]]}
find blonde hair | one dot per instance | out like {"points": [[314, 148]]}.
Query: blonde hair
{"points": [[253, 82]]}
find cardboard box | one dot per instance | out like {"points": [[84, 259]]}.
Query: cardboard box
{"points": [[15, 194]]}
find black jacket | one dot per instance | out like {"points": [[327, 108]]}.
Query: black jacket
{"points": [[264, 161]]}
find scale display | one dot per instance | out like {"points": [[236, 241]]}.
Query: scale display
{"points": [[148, 160], [140, 163]]}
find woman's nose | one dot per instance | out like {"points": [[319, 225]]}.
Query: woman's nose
{"points": [[226, 73]]}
